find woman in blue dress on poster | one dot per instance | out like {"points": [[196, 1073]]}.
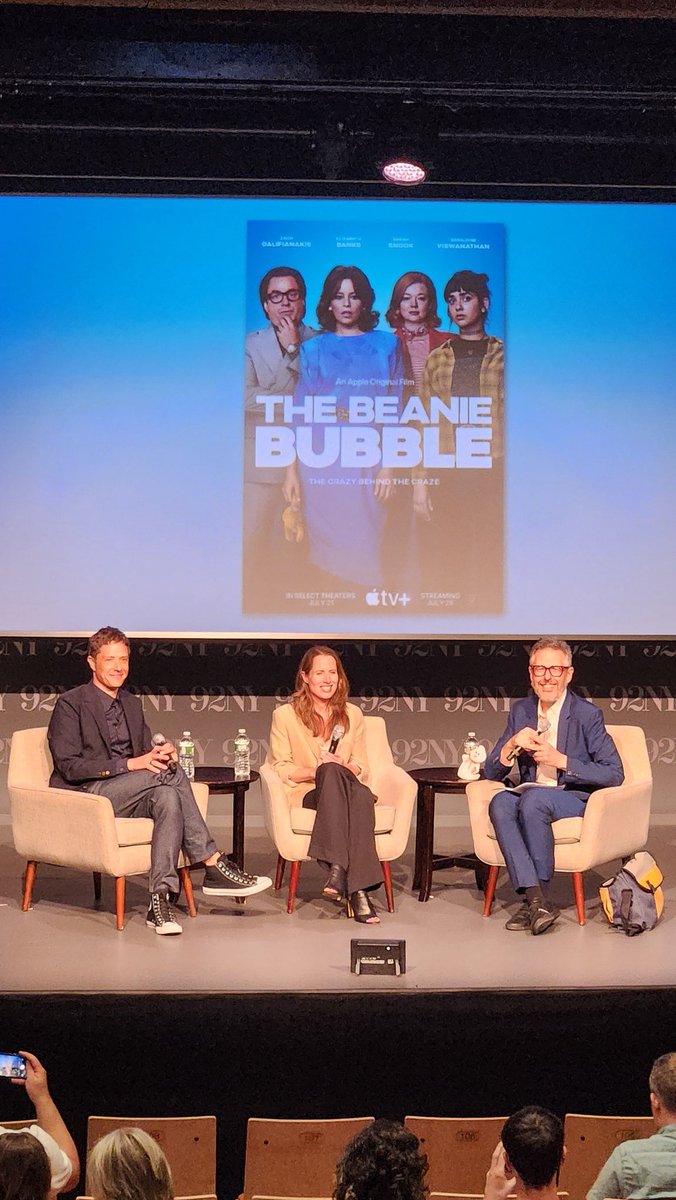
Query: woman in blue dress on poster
{"points": [[344, 507]]}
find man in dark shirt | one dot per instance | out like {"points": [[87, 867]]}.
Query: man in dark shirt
{"points": [[100, 743]]}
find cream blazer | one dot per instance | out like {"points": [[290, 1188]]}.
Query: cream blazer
{"points": [[293, 745]]}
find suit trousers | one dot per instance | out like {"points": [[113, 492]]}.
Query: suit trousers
{"points": [[344, 827], [523, 827], [178, 823]]}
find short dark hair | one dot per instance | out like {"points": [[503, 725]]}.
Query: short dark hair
{"points": [[368, 319], [383, 1162], [25, 1173], [265, 282], [108, 633], [533, 1142], [663, 1080], [468, 281]]}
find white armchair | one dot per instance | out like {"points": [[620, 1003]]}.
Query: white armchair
{"points": [[290, 827], [77, 829], [615, 822]]}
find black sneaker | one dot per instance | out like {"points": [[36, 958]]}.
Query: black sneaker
{"points": [[160, 916], [225, 878], [542, 914], [521, 919]]}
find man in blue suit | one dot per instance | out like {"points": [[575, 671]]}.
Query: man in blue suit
{"points": [[563, 753]]}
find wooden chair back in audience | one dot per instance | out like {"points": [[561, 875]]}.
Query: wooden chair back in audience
{"points": [[295, 1158], [589, 1142], [18, 1124], [458, 1150], [188, 1142], [211, 1197], [293, 1198], [476, 1195]]}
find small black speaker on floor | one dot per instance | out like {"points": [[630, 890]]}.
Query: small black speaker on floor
{"points": [[369, 956]]}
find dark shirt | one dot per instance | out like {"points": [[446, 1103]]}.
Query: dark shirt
{"points": [[469, 356], [118, 730]]}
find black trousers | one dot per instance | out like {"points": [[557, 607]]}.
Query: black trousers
{"points": [[344, 826]]}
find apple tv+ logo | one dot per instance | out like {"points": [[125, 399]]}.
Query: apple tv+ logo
{"points": [[378, 597]]}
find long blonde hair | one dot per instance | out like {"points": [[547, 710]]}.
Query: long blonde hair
{"points": [[128, 1164], [303, 704]]}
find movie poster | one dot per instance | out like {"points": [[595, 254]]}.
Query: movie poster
{"points": [[374, 418]]}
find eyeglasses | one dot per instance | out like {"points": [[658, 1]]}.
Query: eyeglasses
{"points": [[277, 297], [555, 672]]}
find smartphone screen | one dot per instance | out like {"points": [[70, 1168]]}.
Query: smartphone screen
{"points": [[12, 1066]]}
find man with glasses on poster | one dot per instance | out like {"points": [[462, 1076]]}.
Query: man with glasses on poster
{"points": [[563, 752], [270, 369]]}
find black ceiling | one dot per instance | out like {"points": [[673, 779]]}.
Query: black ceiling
{"points": [[251, 103]]}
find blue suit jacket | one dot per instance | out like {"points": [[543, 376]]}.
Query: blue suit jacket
{"points": [[593, 761]]}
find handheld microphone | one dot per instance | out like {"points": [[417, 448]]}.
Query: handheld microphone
{"points": [[543, 727], [158, 739], [336, 734]]}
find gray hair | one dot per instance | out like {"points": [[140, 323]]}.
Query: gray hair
{"points": [[128, 1164], [548, 643]]}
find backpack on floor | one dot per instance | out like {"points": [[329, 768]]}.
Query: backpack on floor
{"points": [[633, 899]]}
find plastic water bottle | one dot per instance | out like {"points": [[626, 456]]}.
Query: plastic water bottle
{"points": [[186, 753], [242, 755], [470, 743]]}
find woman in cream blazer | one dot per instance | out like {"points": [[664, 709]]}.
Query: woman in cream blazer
{"points": [[318, 749]]}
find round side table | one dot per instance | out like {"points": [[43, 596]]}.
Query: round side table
{"points": [[431, 780], [221, 782]]}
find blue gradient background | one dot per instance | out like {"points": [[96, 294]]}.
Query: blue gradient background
{"points": [[121, 353]]}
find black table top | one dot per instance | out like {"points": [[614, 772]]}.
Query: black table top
{"points": [[439, 777], [222, 777]]}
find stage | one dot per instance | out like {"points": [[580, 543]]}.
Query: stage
{"points": [[64, 944], [254, 1012]]}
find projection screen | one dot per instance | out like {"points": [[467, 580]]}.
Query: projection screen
{"points": [[337, 417]]}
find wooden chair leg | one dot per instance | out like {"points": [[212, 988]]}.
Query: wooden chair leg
{"points": [[279, 875], [120, 882], [184, 878], [387, 876], [490, 890], [28, 881], [578, 888], [97, 886], [293, 884]]}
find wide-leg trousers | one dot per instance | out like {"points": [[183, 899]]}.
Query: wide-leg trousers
{"points": [[523, 827], [178, 823], [344, 828]]}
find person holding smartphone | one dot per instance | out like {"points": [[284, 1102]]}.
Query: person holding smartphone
{"points": [[49, 1128]]}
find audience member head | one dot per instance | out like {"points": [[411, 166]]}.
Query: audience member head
{"points": [[25, 1173], [663, 1089], [128, 1164], [533, 1143], [383, 1162]]}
